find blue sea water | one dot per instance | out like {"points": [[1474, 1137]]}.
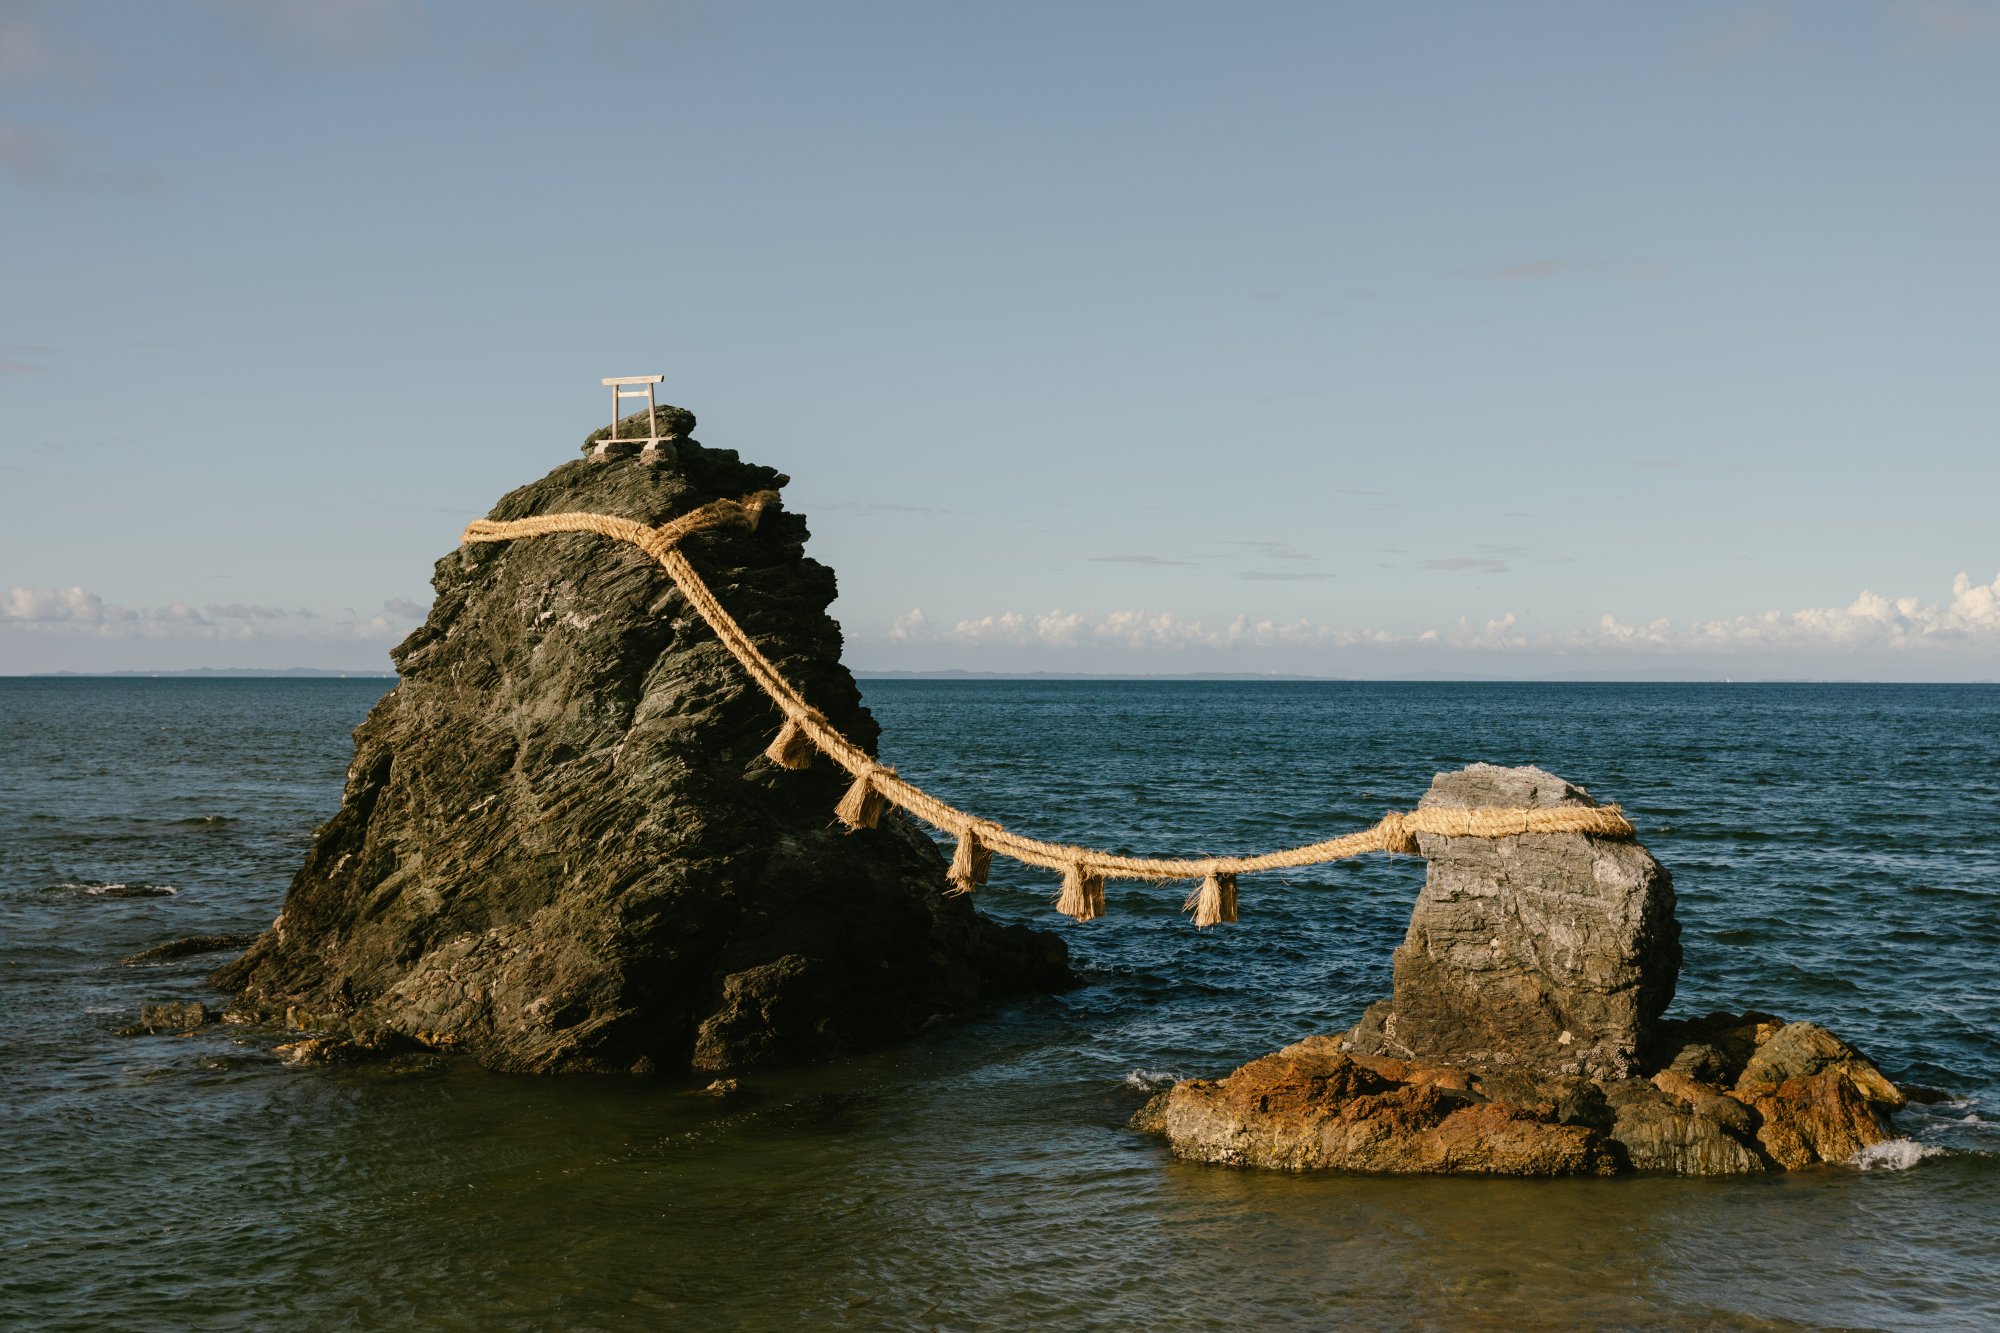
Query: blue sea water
{"points": [[1834, 849]]}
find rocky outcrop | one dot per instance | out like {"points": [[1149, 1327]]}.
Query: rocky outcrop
{"points": [[1524, 1036], [562, 848], [1554, 951]]}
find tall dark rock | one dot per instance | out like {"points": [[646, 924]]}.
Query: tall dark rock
{"points": [[561, 847]]}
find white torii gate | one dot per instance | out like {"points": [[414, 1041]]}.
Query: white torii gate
{"points": [[620, 391]]}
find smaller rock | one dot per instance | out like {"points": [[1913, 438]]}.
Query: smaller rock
{"points": [[670, 423], [188, 946], [1801, 1050], [366, 1044], [1662, 1132], [1700, 1062], [1707, 1099], [1820, 1118], [722, 1087], [182, 1017], [1312, 1107], [1152, 1117]]}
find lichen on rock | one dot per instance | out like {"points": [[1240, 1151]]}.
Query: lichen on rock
{"points": [[561, 847]]}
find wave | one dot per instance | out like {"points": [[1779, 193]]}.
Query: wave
{"points": [[99, 888], [1895, 1155], [1152, 1080], [202, 821]]}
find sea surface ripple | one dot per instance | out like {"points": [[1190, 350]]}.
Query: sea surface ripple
{"points": [[1833, 848]]}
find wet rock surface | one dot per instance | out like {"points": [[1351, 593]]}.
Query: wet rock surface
{"points": [[561, 846], [1525, 1036]]}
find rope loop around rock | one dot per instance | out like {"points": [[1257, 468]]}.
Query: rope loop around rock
{"points": [[875, 786]]}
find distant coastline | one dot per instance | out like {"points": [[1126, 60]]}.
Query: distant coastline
{"points": [[1576, 678], [215, 673]]}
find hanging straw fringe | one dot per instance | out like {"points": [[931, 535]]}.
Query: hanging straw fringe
{"points": [[863, 805], [1213, 901], [970, 860], [1082, 893], [792, 748]]}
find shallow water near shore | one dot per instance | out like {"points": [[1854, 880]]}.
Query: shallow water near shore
{"points": [[1833, 849]]}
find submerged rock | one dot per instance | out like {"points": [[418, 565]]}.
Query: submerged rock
{"points": [[1525, 1037], [188, 946], [173, 1016], [562, 848]]}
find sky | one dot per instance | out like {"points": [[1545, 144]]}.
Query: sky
{"points": [[1448, 339]]}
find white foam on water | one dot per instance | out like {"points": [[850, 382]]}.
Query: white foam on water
{"points": [[1151, 1080], [1895, 1155], [102, 889]]}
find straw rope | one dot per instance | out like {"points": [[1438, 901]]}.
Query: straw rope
{"points": [[1084, 869]]}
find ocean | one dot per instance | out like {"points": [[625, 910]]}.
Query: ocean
{"points": [[1834, 848]]}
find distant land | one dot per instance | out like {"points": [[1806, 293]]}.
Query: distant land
{"points": [[1571, 678], [225, 673], [1656, 677]]}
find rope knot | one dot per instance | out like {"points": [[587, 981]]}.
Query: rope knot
{"points": [[1399, 832]]}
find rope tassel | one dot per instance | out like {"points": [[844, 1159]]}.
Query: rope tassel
{"points": [[1082, 893], [1213, 901], [970, 861], [862, 807], [792, 749]]}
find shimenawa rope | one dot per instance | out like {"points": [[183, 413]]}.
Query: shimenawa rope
{"points": [[1084, 870]]}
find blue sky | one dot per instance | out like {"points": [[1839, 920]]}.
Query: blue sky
{"points": [[1359, 340]]}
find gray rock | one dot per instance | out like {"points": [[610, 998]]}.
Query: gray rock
{"points": [[1554, 951], [561, 847], [1660, 1132], [189, 946]]}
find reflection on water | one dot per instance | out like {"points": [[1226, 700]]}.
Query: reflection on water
{"points": [[982, 1177]]}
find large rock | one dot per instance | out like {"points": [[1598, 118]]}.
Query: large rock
{"points": [[561, 847], [1556, 951]]}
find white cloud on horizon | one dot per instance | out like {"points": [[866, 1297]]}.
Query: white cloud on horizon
{"points": [[78, 612], [1970, 619]]}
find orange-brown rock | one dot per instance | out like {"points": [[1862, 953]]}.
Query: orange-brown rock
{"points": [[1800, 1050], [1310, 1107], [1819, 1118]]}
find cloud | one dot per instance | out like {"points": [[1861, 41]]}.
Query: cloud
{"points": [[1134, 560], [1742, 36], [1937, 25], [910, 625], [244, 611], [1968, 620], [77, 611], [407, 608], [39, 157], [1480, 563]]}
